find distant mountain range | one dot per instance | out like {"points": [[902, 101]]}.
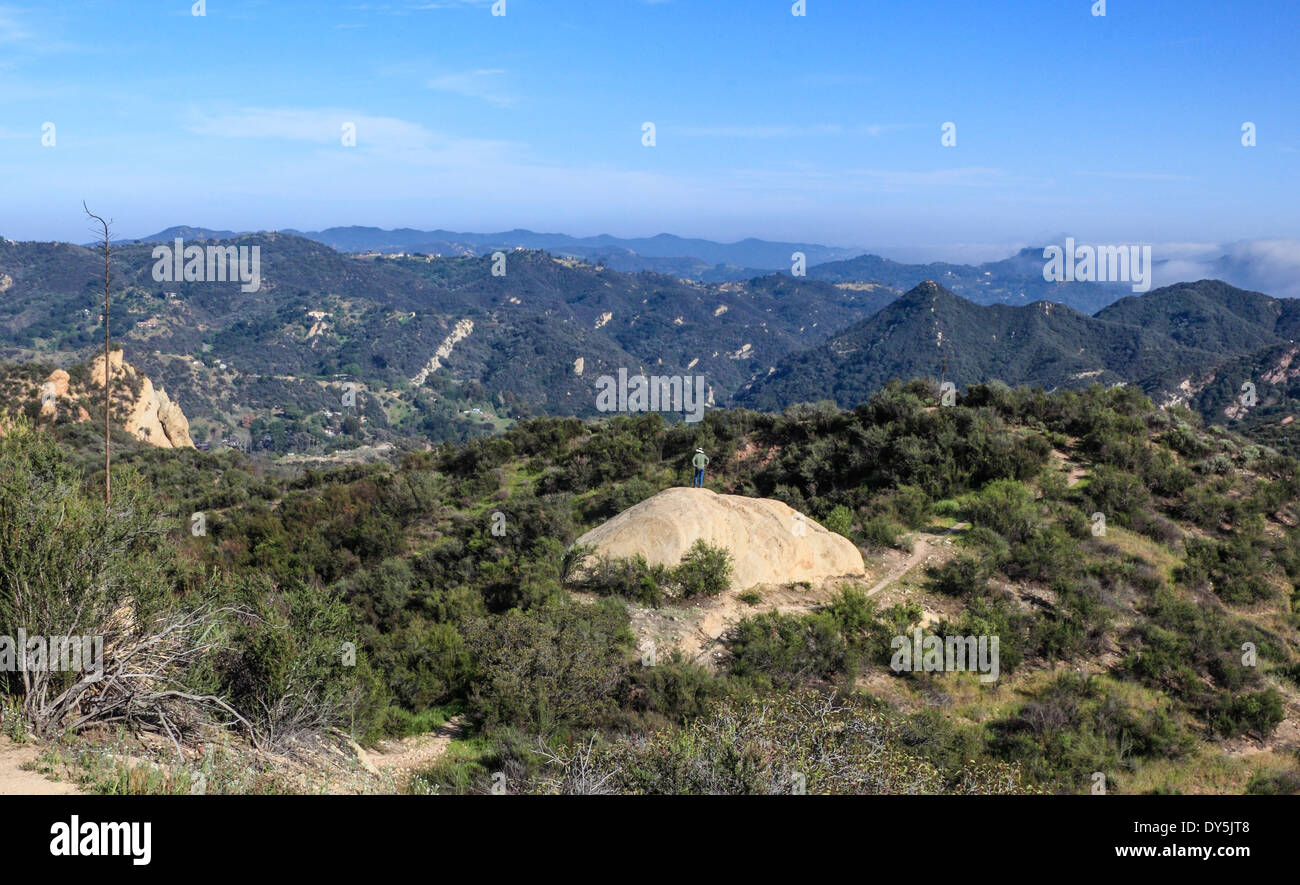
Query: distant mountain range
{"points": [[532, 341], [441, 348], [1265, 266], [686, 258], [1015, 280]]}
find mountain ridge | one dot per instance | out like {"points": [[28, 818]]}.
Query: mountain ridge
{"points": [[1150, 340]]}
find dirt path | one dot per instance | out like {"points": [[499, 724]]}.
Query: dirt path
{"points": [[403, 758], [699, 633], [18, 781], [922, 548], [1073, 470]]}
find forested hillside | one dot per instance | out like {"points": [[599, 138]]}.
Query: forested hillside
{"points": [[452, 348], [524, 336], [1202, 344], [1139, 571]]}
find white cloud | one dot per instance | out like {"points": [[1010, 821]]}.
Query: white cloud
{"points": [[481, 84], [398, 141], [1271, 266]]}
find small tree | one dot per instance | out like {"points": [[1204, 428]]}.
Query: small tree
{"points": [[108, 377]]}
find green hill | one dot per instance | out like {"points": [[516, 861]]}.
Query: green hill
{"points": [[1139, 573]]}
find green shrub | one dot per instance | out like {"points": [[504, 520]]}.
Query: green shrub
{"points": [[676, 688], [840, 521], [1259, 712], [295, 668], [1076, 725], [961, 576], [1274, 783], [1234, 568], [787, 649], [554, 667], [880, 532], [705, 570], [631, 578], [1007, 507], [986, 616], [1117, 494], [789, 743], [426, 663]]}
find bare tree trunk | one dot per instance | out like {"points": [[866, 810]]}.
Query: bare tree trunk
{"points": [[108, 375]]}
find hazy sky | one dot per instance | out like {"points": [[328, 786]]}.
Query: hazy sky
{"points": [[825, 128]]}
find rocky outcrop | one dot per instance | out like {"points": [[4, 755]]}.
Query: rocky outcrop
{"points": [[54, 389], [174, 422], [156, 419], [769, 542], [60, 380], [151, 415]]}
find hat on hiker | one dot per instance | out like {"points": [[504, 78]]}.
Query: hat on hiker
{"points": [[701, 451]]}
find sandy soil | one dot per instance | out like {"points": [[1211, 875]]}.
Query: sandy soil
{"points": [[15, 780]]}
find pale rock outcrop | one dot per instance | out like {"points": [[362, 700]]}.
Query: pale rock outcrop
{"points": [[152, 416], [174, 422], [769, 542], [55, 386], [59, 379], [115, 364]]}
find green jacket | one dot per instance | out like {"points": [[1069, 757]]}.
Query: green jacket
{"points": [[700, 460]]}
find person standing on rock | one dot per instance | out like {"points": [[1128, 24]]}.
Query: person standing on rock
{"points": [[700, 461]]}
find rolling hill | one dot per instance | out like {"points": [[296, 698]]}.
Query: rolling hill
{"points": [[1191, 343]]}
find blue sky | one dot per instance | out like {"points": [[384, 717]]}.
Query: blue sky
{"points": [[822, 128]]}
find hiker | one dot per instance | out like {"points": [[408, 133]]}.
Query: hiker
{"points": [[700, 461]]}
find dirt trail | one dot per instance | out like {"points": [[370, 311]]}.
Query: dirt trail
{"points": [[404, 757], [923, 546], [698, 634], [1073, 470], [18, 781]]}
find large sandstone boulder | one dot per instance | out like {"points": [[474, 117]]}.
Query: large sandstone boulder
{"points": [[769, 542], [143, 421]]}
